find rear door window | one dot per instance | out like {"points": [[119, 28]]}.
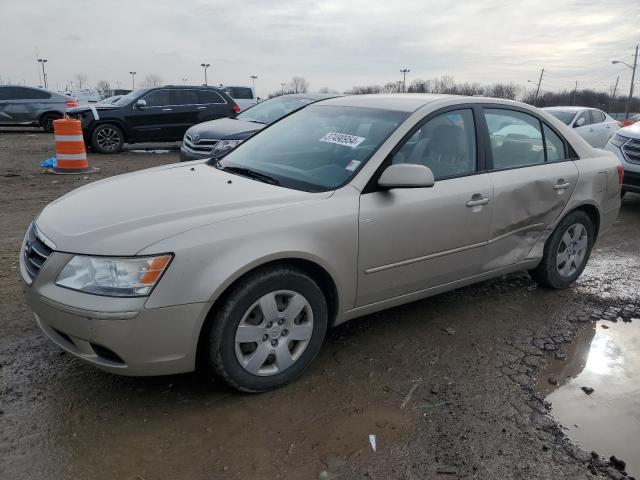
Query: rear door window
{"points": [[210, 96], [515, 138], [185, 97], [597, 116], [554, 145], [158, 98], [24, 93]]}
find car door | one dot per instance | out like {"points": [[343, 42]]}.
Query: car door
{"points": [[585, 129], [185, 111], [600, 128], [151, 122], [27, 104], [6, 94], [417, 238], [533, 177]]}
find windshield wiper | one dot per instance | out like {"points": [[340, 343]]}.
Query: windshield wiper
{"points": [[247, 172]]}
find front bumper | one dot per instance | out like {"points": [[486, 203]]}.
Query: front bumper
{"points": [[119, 335], [188, 155]]}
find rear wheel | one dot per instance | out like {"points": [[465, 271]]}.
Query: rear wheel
{"points": [[268, 330], [107, 138], [46, 121], [566, 252]]}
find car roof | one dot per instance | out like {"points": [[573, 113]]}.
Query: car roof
{"points": [[406, 102], [312, 96], [568, 109]]}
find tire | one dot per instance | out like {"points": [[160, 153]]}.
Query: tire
{"points": [[622, 193], [107, 138], [566, 251], [46, 121], [263, 364]]}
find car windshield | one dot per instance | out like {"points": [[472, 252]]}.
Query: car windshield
{"points": [[317, 149], [564, 116], [129, 97], [271, 110]]}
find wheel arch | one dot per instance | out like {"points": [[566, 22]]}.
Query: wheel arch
{"points": [[591, 210], [111, 121], [316, 271], [58, 113]]}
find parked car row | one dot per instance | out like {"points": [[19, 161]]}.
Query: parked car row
{"points": [[32, 107], [345, 207]]}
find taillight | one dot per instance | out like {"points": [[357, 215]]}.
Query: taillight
{"points": [[236, 108], [71, 103], [620, 169]]}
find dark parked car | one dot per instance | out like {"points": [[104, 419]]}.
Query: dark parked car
{"points": [[215, 138], [32, 107], [157, 114]]}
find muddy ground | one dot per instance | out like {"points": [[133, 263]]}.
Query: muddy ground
{"points": [[446, 385]]}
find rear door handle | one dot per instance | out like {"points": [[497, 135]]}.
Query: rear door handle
{"points": [[479, 201], [201, 108], [166, 109], [561, 186]]}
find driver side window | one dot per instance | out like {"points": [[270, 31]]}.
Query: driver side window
{"points": [[446, 144]]}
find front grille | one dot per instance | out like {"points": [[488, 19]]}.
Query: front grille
{"points": [[631, 150], [35, 253], [202, 145]]}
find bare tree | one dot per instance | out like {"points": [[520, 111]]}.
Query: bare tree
{"points": [[152, 80], [104, 88], [327, 90], [364, 89], [298, 85], [80, 79]]}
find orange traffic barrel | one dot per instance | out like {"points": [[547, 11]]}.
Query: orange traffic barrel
{"points": [[71, 154]]}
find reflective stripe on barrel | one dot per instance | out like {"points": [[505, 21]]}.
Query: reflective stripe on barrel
{"points": [[70, 150]]}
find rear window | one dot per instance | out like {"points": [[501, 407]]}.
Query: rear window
{"points": [[24, 93], [210, 96], [240, 93]]}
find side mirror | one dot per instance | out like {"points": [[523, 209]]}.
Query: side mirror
{"points": [[579, 122], [141, 103], [406, 175]]}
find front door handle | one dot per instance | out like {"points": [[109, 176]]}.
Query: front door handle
{"points": [[201, 108], [561, 186], [478, 201], [166, 109]]}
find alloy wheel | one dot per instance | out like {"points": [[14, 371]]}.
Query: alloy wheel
{"points": [[572, 250], [274, 332], [108, 139]]}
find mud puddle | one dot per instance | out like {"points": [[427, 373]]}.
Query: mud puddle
{"points": [[605, 357]]}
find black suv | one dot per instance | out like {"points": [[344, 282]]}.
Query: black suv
{"points": [[157, 114]]}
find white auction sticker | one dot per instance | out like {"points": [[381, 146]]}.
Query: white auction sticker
{"points": [[352, 165], [342, 139]]}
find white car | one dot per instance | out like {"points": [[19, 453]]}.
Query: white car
{"points": [[595, 126], [245, 97], [85, 96], [626, 145]]}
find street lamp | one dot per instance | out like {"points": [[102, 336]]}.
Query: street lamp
{"points": [[184, 80], [633, 77], [283, 84], [404, 72], [133, 80], [205, 66], [253, 79], [42, 61]]}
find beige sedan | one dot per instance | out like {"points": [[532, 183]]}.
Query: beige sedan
{"points": [[349, 206]]}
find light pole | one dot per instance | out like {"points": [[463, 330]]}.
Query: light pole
{"points": [[538, 85], [253, 79], [404, 72], [184, 80], [42, 61], [205, 66], [633, 77], [283, 84], [133, 80]]}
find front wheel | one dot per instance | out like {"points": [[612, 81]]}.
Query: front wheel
{"points": [[46, 121], [566, 251], [107, 138], [268, 330]]}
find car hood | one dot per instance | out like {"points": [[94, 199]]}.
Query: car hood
{"points": [[97, 106], [124, 214], [225, 129], [632, 131]]}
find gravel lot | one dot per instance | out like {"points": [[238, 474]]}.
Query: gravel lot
{"points": [[446, 385]]}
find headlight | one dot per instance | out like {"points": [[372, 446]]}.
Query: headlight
{"points": [[618, 140], [224, 145], [113, 277]]}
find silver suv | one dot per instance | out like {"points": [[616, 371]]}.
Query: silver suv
{"points": [[346, 207], [626, 146], [29, 106]]}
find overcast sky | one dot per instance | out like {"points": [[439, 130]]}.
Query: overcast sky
{"points": [[335, 44]]}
